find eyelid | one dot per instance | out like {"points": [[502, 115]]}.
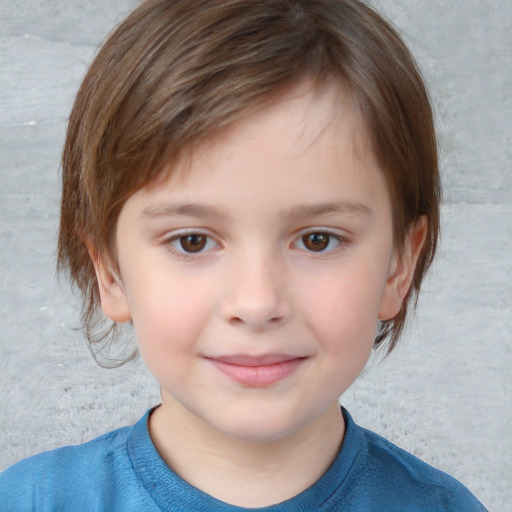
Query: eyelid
{"points": [[169, 239], [340, 236]]}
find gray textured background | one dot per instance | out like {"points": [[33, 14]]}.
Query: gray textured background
{"points": [[445, 394]]}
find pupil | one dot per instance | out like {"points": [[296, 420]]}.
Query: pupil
{"points": [[193, 243], [316, 241]]}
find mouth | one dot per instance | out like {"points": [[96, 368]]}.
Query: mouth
{"points": [[257, 371]]}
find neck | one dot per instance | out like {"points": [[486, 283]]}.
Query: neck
{"points": [[245, 473]]}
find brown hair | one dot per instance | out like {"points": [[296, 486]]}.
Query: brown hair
{"points": [[177, 71]]}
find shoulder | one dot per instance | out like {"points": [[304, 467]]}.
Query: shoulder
{"points": [[69, 474], [397, 480]]}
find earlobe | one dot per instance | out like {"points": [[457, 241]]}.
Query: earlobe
{"points": [[402, 271], [112, 294]]}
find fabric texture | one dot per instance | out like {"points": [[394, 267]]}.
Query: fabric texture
{"points": [[122, 471]]}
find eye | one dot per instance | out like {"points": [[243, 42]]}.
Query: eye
{"points": [[319, 241], [192, 243]]}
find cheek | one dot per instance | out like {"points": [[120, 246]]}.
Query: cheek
{"points": [[168, 316], [342, 308]]}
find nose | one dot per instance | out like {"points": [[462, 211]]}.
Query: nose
{"points": [[256, 294]]}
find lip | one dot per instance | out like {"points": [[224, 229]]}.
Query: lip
{"points": [[257, 371]]}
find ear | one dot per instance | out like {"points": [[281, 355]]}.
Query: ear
{"points": [[112, 294], [402, 271]]}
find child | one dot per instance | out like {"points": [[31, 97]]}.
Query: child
{"points": [[254, 187]]}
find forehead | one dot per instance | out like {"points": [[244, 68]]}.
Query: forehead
{"points": [[306, 110], [306, 146]]}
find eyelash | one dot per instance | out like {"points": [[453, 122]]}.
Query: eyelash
{"points": [[328, 236], [175, 243]]}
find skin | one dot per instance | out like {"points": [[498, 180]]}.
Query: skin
{"points": [[271, 248]]}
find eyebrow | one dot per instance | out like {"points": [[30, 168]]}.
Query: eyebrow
{"points": [[181, 210], [351, 208]]}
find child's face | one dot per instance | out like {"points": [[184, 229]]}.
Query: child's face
{"points": [[255, 275]]}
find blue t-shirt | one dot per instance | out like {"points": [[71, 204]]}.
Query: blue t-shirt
{"points": [[122, 471]]}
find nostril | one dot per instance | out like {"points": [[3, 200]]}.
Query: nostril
{"points": [[257, 305], [256, 322]]}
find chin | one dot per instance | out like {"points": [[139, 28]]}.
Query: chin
{"points": [[260, 428]]}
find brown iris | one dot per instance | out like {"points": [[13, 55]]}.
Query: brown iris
{"points": [[316, 241], [193, 243]]}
